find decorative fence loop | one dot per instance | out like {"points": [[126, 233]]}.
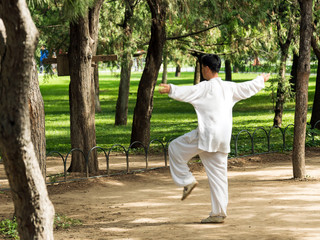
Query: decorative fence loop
{"points": [[86, 160], [253, 135], [145, 150], [163, 147], [64, 163], [124, 149], [236, 142], [105, 154], [283, 136]]}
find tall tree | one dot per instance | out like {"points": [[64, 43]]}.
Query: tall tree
{"points": [[81, 93], [285, 22], [126, 64], [165, 65], [144, 105], [300, 119], [37, 119], [293, 74], [94, 13], [315, 116], [18, 38]]}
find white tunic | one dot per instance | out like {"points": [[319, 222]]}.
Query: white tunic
{"points": [[213, 101]]}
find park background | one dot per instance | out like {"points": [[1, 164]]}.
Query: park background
{"points": [[262, 36]]}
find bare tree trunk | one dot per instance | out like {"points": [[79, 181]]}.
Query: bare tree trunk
{"points": [[293, 77], [228, 70], [94, 13], [18, 37], [97, 104], [284, 44], [315, 116], [126, 65], [144, 104], [165, 66], [81, 97], [300, 118], [37, 119], [124, 89], [178, 70], [278, 110], [197, 73]]}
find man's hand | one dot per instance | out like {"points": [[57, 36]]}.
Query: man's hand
{"points": [[265, 76], [164, 88]]}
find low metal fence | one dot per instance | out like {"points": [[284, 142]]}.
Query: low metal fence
{"points": [[267, 138], [244, 143]]}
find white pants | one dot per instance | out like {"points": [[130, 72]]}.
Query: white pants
{"points": [[181, 150]]}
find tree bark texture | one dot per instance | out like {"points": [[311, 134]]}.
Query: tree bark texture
{"points": [[300, 119], [124, 90], [165, 66], [94, 13], [197, 73], [282, 82], [228, 70], [315, 116], [18, 36], [293, 77], [97, 104], [81, 97], [178, 70], [278, 110], [126, 65], [144, 105], [37, 119], [198, 69]]}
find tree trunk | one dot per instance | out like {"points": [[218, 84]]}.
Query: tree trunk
{"points": [[228, 70], [18, 37], [81, 97], [95, 77], [124, 89], [197, 73], [144, 104], [278, 110], [300, 118], [315, 116], [126, 65], [94, 13], [37, 119], [165, 66], [293, 77], [178, 71], [198, 69], [284, 48]]}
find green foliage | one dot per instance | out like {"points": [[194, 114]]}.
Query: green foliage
{"points": [[52, 26], [55, 177], [73, 9], [63, 222], [8, 229]]}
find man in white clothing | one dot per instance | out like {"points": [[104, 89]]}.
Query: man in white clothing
{"points": [[213, 101]]}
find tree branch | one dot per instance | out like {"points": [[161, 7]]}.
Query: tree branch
{"points": [[194, 33]]}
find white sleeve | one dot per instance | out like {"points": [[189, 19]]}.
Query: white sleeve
{"points": [[186, 93], [247, 89]]}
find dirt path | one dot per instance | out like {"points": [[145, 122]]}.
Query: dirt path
{"points": [[264, 204]]}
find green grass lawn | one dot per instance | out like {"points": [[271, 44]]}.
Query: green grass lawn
{"points": [[170, 118]]}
